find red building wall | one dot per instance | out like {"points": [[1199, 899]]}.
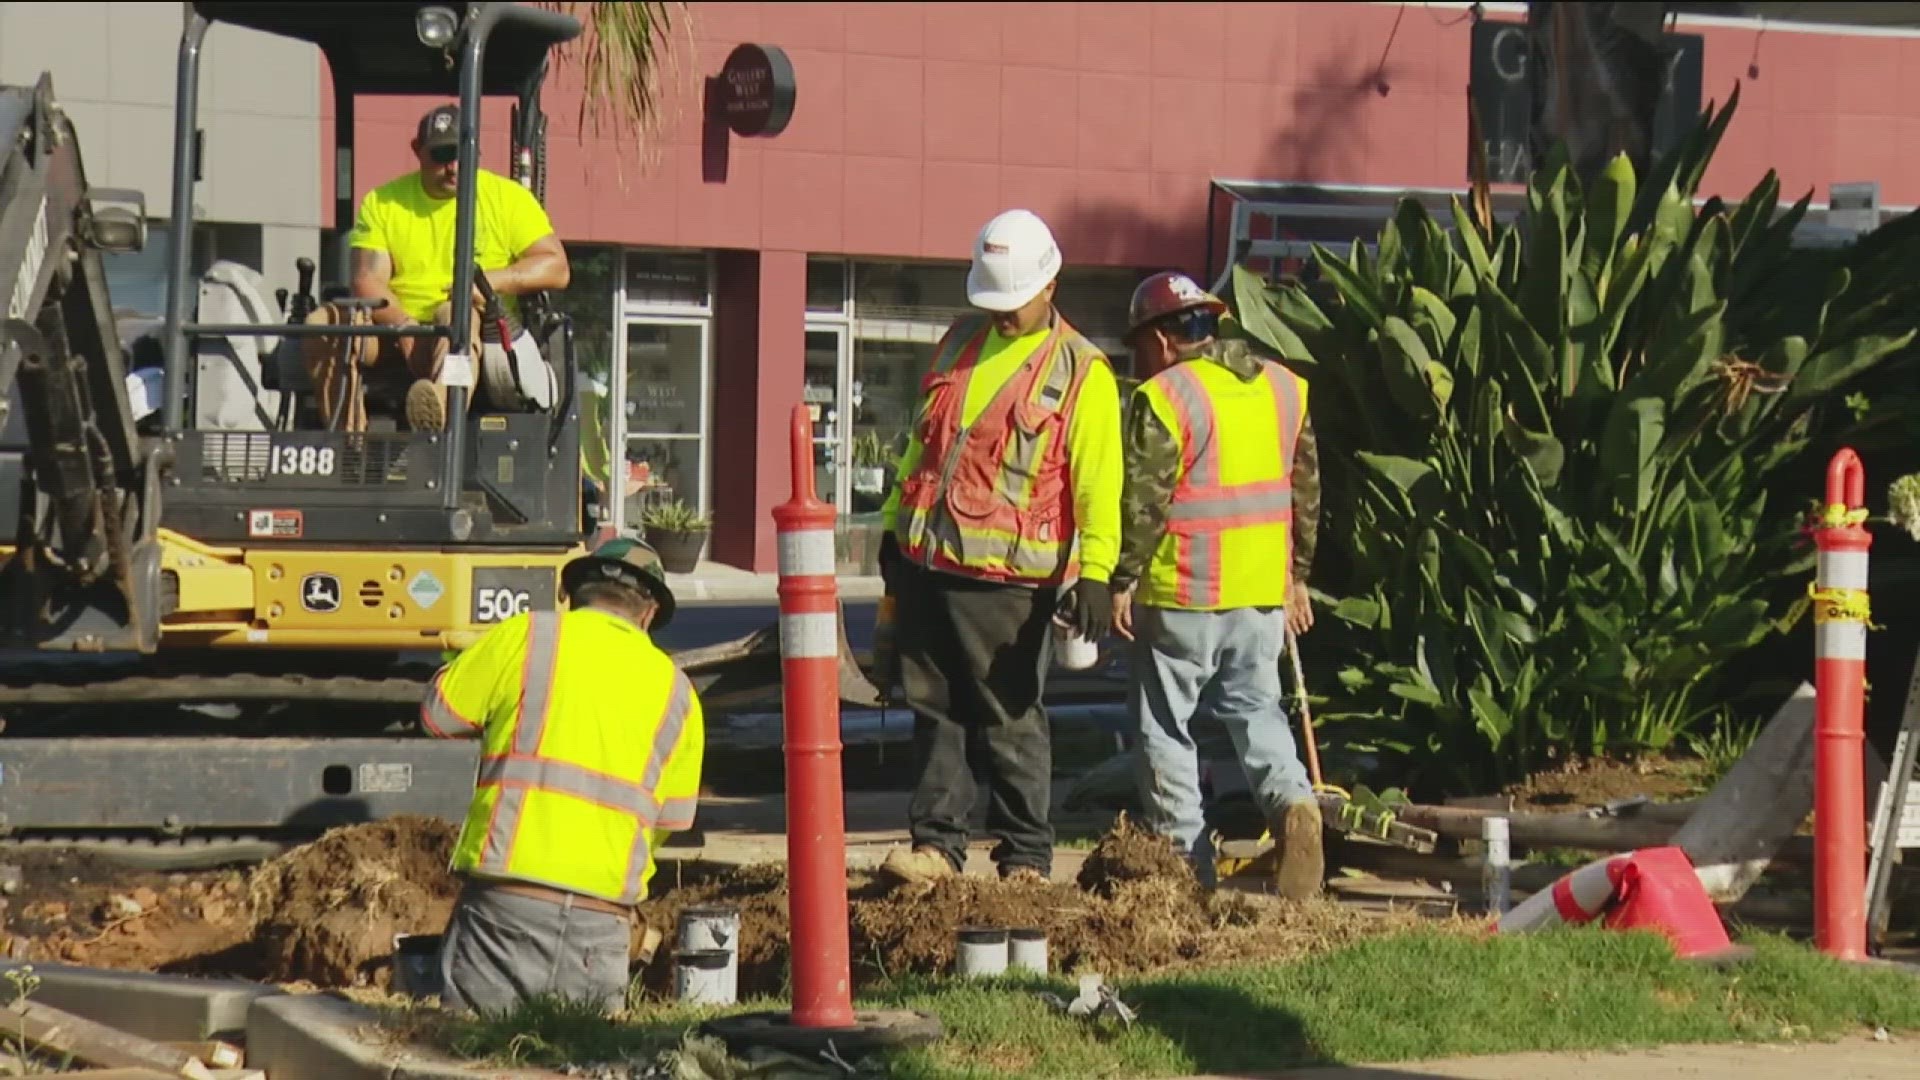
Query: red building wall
{"points": [[915, 122]]}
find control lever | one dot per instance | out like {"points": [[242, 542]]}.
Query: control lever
{"points": [[280, 297], [303, 301]]}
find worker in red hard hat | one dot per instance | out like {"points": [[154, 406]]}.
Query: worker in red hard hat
{"points": [[1222, 493], [1006, 515]]}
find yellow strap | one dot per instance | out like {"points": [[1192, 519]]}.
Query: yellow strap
{"points": [[1840, 605], [1837, 516]]}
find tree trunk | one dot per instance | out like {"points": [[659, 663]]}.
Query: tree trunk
{"points": [[1597, 81]]}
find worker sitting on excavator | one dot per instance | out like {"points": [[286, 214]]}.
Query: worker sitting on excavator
{"points": [[402, 252]]}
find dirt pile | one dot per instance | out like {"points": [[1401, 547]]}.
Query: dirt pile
{"points": [[79, 909], [1136, 908], [328, 912]]}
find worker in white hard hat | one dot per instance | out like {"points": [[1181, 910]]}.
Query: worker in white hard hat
{"points": [[1006, 515]]}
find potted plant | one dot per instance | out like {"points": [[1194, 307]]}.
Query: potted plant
{"points": [[678, 533], [870, 462]]}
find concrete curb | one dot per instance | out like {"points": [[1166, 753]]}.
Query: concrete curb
{"points": [[165, 1008], [315, 1037]]}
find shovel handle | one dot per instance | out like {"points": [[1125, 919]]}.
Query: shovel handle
{"points": [[1306, 713]]}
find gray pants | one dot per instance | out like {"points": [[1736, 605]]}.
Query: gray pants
{"points": [[1228, 664], [501, 950]]}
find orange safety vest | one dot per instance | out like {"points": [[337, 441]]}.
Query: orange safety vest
{"points": [[994, 501], [1228, 534]]}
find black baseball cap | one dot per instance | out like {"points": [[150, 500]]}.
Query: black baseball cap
{"points": [[440, 128]]}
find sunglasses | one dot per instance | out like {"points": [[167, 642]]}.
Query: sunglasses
{"points": [[443, 155]]}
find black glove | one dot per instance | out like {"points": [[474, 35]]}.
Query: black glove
{"points": [[1089, 609], [892, 563]]}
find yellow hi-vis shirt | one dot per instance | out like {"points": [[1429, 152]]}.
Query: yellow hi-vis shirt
{"points": [[1229, 526], [415, 230], [1093, 447], [591, 748]]}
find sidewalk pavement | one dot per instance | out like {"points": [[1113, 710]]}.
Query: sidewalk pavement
{"points": [[713, 583], [1855, 1059]]}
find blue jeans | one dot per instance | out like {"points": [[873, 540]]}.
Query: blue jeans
{"points": [[1227, 663]]}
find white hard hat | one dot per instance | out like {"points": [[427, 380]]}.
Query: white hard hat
{"points": [[1013, 259]]}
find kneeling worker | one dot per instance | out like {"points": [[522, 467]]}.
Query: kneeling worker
{"points": [[1221, 467], [592, 744]]}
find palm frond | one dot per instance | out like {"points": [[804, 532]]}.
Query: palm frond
{"points": [[625, 56]]}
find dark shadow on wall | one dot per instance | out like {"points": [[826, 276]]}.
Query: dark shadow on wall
{"points": [[1316, 145]]}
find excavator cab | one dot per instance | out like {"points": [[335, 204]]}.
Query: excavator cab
{"points": [[220, 616], [258, 528]]}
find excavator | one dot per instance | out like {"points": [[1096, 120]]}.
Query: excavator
{"points": [[219, 609]]}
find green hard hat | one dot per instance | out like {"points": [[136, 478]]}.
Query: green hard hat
{"points": [[630, 562]]}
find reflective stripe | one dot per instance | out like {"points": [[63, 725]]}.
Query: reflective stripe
{"points": [[567, 778], [1842, 570], [673, 721], [536, 680], [1840, 641], [1267, 503], [677, 813], [805, 553], [1204, 510], [439, 716], [809, 636]]}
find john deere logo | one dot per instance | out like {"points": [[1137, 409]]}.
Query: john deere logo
{"points": [[320, 593]]}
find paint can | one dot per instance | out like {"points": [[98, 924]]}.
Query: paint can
{"points": [[982, 952], [1027, 950], [1072, 652], [700, 976], [713, 926]]}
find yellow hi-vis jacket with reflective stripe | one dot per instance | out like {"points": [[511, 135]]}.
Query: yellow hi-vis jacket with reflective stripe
{"points": [[591, 748], [1228, 529]]}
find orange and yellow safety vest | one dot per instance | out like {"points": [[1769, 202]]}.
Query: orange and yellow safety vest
{"points": [[1227, 539], [992, 500], [591, 750]]}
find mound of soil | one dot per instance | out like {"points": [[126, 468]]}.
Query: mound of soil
{"points": [[1126, 854], [81, 909], [328, 912], [1597, 781], [1136, 908]]}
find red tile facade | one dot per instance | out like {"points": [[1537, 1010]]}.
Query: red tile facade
{"points": [[915, 122]]}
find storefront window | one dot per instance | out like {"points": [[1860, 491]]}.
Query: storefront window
{"points": [[826, 286], [666, 410], [669, 279]]}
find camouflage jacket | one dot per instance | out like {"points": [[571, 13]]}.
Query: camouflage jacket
{"points": [[1153, 468]]}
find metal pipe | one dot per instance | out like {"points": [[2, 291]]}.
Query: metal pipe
{"points": [[185, 122]]}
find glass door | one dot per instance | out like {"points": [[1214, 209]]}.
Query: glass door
{"points": [[825, 394], [665, 419]]}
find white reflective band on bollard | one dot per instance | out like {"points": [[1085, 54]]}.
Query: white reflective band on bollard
{"points": [[1840, 641], [810, 637], [1842, 570], [806, 553]]}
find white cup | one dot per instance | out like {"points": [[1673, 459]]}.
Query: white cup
{"points": [[1071, 651]]}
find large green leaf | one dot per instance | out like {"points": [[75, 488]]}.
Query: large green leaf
{"points": [[1254, 307], [1630, 451], [1609, 205]]}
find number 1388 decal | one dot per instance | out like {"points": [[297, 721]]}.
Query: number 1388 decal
{"points": [[302, 461]]}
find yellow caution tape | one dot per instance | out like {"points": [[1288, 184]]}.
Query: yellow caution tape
{"points": [[1837, 516], [1840, 605]]}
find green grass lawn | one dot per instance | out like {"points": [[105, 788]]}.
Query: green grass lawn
{"points": [[1426, 994]]}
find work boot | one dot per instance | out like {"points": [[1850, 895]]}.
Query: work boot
{"points": [[1301, 864], [922, 865], [1022, 875], [426, 406]]}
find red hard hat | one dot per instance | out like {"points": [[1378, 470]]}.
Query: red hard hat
{"points": [[1165, 293]]}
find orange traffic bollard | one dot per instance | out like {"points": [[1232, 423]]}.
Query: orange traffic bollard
{"points": [[1840, 614]]}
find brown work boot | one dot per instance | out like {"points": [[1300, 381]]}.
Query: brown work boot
{"points": [[426, 406], [1301, 864], [922, 865], [1023, 875]]}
